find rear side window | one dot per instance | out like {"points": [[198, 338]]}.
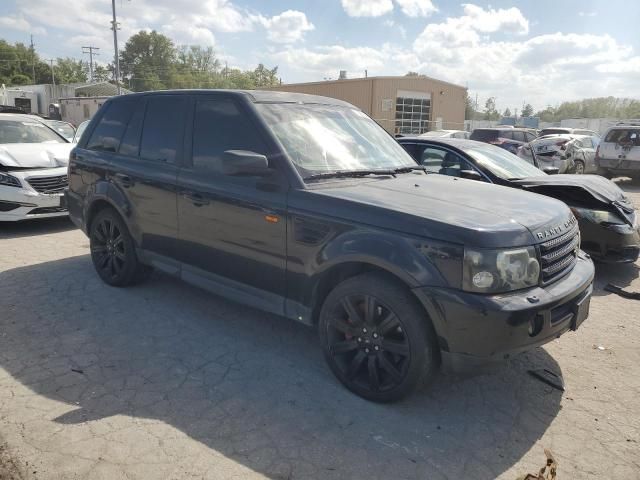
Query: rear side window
{"points": [[519, 136], [130, 144], [107, 134], [484, 135], [219, 125], [163, 128], [530, 136], [624, 136]]}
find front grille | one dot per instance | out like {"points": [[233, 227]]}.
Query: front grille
{"points": [[559, 256], [49, 185]]}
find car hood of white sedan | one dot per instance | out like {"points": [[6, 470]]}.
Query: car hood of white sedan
{"points": [[35, 155]]}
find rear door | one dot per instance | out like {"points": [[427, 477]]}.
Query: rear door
{"points": [[621, 148], [232, 228], [145, 169]]}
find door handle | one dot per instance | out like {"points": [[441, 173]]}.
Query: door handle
{"points": [[125, 180], [197, 199]]}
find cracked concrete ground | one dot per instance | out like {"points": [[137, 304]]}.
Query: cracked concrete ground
{"points": [[165, 381]]}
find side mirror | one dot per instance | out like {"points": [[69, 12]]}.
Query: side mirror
{"points": [[470, 174], [551, 170], [244, 162]]}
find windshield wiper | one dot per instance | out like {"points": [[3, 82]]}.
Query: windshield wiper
{"points": [[349, 173], [411, 169]]}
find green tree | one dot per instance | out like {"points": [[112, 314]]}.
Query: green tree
{"points": [[147, 61], [69, 70], [264, 77], [490, 112], [102, 73], [527, 111], [507, 112]]}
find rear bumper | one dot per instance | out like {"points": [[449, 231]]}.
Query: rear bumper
{"points": [[619, 166], [477, 331]]}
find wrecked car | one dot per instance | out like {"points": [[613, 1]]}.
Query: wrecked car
{"points": [[305, 207], [619, 152], [607, 218], [509, 138], [568, 153], [33, 169]]}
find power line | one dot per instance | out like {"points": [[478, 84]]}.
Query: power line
{"points": [[90, 50]]}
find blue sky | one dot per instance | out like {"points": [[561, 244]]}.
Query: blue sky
{"points": [[541, 52]]}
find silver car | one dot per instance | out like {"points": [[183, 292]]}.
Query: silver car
{"points": [[568, 153]]}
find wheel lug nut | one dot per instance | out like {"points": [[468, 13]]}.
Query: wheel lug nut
{"points": [[376, 347], [359, 339], [364, 330], [366, 350], [375, 335]]}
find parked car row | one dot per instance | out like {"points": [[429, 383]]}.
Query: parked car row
{"points": [[408, 256]]}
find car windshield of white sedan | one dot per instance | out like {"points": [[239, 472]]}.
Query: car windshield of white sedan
{"points": [[21, 131], [502, 163], [321, 139]]}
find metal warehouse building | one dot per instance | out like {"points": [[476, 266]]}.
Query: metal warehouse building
{"points": [[407, 105]]}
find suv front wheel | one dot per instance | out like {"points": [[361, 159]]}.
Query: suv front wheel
{"points": [[376, 338], [113, 250]]}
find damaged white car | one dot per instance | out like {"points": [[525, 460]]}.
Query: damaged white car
{"points": [[33, 169], [567, 153]]}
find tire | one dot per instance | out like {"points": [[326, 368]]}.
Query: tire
{"points": [[382, 356], [113, 251], [579, 167]]}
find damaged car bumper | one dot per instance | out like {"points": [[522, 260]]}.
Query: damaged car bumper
{"points": [[33, 193], [484, 330], [611, 243]]}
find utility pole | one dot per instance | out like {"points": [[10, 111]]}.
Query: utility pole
{"points": [[91, 51], [53, 76], [114, 26], [33, 61]]}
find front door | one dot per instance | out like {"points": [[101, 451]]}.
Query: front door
{"points": [[232, 229]]}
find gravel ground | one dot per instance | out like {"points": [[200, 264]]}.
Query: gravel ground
{"points": [[164, 380]]}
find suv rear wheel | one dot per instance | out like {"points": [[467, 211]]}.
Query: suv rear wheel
{"points": [[113, 251], [376, 338]]}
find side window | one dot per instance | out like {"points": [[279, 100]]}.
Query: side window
{"points": [[163, 128], [530, 136], [432, 159], [444, 162], [519, 136], [506, 134], [220, 125], [130, 144], [107, 134]]}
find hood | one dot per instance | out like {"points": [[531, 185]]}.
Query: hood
{"points": [[456, 210], [35, 155], [590, 191]]}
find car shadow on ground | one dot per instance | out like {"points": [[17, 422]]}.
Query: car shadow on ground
{"points": [[619, 274], [30, 228], [251, 386]]}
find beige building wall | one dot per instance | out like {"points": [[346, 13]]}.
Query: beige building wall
{"points": [[376, 96]]}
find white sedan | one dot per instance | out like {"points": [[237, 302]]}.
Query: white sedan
{"points": [[33, 169]]}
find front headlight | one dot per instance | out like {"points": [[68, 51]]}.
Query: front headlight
{"points": [[9, 180], [496, 271], [598, 216]]}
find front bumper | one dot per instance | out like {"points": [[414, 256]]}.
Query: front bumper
{"points": [[476, 331], [24, 202], [610, 244]]}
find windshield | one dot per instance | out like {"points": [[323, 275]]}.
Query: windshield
{"points": [[323, 138], [502, 163], [25, 131], [81, 128]]}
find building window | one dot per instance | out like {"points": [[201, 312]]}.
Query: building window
{"points": [[413, 113]]}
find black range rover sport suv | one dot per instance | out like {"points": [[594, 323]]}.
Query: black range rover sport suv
{"points": [[303, 206]]}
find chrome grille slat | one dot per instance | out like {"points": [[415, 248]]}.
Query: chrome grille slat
{"points": [[55, 184], [559, 255]]}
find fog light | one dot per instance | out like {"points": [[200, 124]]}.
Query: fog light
{"points": [[483, 279]]}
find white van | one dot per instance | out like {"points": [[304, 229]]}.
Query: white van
{"points": [[619, 151]]}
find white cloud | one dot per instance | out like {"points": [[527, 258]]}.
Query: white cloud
{"points": [[367, 8], [587, 14], [509, 20], [417, 8], [288, 27], [19, 23]]}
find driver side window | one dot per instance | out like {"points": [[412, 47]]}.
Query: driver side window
{"points": [[443, 162]]}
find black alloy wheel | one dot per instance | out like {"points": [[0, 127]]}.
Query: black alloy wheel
{"points": [[375, 338], [113, 252]]}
